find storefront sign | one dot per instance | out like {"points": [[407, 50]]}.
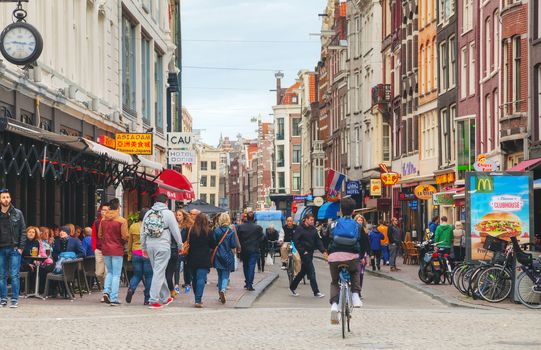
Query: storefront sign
{"points": [[483, 164], [408, 168], [135, 143], [299, 198], [424, 191], [375, 187], [406, 197], [444, 198], [181, 157], [443, 179], [180, 140], [318, 201], [107, 141], [498, 205], [413, 205], [353, 188], [390, 179]]}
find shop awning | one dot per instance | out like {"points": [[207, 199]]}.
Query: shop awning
{"points": [[108, 152], [329, 210], [525, 165], [147, 163], [175, 185], [364, 210]]}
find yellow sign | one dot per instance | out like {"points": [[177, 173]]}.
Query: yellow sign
{"points": [[375, 187], [107, 141], [390, 179], [484, 184], [424, 191], [135, 143], [445, 178]]}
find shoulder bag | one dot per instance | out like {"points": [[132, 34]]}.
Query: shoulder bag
{"points": [[216, 249], [186, 245]]}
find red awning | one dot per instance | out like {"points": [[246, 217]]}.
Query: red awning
{"points": [[525, 165], [175, 185]]}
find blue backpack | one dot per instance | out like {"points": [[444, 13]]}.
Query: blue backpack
{"points": [[346, 232]]}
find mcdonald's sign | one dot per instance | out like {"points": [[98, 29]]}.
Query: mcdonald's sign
{"points": [[484, 184]]}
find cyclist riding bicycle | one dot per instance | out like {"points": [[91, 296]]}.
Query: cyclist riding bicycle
{"points": [[345, 249], [284, 240]]}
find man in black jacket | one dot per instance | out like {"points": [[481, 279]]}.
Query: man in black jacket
{"points": [[250, 236], [395, 238], [12, 240], [307, 240]]}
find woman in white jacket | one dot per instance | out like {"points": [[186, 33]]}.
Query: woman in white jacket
{"points": [[458, 242]]}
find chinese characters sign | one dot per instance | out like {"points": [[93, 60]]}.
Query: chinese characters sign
{"points": [[135, 143]]}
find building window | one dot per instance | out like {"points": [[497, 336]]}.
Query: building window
{"points": [[465, 143], [516, 72], [145, 82], [212, 199], [452, 117], [472, 79], [203, 197], [281, 180], [452, 60], [444, 75], [507, 106], [213, 181], [467, 16], [490, 123], [213, 165], [434, 64], [280, 156], [487, 50], [422, 70], [280, 129], [296, 154], [447, 9], [296, 182], [445, 137], [386, 142], [463, 73], [295, 129], [537, 19], [318, 172], [204, 165], [128, 66], [158, 90], [495, 114], [496, 48], [204, 181]]}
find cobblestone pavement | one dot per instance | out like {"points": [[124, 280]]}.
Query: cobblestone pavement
{"points": [[394, 317]]}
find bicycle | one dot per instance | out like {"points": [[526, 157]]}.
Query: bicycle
{"points": [[345, 302], [529, 280], [271, 247]]}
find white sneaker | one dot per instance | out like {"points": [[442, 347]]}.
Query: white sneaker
{"points": [[356, 300], [334, 313], [319, 295]]}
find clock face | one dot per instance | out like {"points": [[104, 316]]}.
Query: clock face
{"points": [[21, 43]]}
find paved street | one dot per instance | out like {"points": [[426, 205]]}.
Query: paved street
{"points": [[394, 317]]}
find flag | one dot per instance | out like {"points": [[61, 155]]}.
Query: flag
{"points": [[334, 181], [293, 249]]}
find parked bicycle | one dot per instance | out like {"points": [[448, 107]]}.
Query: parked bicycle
{"points": [[529, 280]]}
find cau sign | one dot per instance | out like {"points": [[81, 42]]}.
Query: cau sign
{"points": [[180, 140]]}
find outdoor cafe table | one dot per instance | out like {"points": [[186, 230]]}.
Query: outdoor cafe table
{"points": [[36, 291]]}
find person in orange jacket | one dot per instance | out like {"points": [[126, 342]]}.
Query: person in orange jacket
{"points": [[383, 228]]}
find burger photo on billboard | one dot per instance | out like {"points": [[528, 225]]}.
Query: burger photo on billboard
{"points": [[502, 225]]}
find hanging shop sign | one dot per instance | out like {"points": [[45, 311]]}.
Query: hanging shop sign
{"points": [[406, 196], [177, 157], [424, 191], [447, 178], [132, 143], [375, 187], [388, 178], [107, 141], [498, 206], [318, 201], [444, 198], [180, 140], [408, 168], [353, 188], [413, 205], [483, 164]]}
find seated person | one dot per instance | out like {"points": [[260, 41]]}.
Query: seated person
{"points": [[345, 248], [284, 239], [65, 243], [87, 242], [33, 245], [271, 233]]}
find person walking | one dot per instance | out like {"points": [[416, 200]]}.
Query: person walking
{"points": [[365, 247], [459, 237], [184, 221], [250, 236], [375, 237], [97, 245], [384, 229], [113, 232], [306, 241], [201, 242], [263, 251], [142, 270], [444, 235], [433, 224], [394, 243], [224, 257], [12, 242], [158, 229], [286, 234]]}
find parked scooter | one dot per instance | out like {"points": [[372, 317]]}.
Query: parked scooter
{"points": [[432, 263]]}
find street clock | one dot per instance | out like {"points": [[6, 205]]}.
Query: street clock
{"points": [[20, 42]]}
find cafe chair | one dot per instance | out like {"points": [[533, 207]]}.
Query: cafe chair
{"points": [[24, 276], [69, 277], [89, 270]]}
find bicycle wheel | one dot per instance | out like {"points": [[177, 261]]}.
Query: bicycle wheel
{"points": [[456, 275], [495, 284], [343, 304], [473, 286], [526, 294], [465, 279]]}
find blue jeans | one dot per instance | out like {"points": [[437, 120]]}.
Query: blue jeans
{"points": [[199, 281], [385, 253], [11, 256], [112, 278], [223, 279], [141, 268], [249, 260]]}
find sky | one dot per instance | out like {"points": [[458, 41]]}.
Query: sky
{"points": [[263, 36]]}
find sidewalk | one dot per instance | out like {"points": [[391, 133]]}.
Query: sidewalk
{"points": [[236, 295], [445, 293]]}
